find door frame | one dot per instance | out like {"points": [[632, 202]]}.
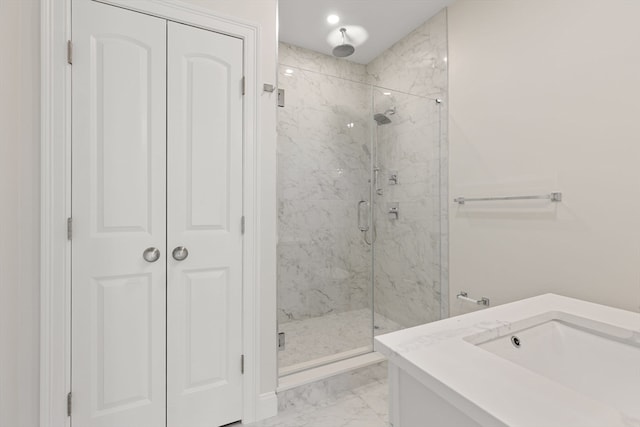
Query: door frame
{"points": [[55, 208]]}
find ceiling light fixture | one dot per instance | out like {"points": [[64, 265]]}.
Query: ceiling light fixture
{"points": [[333, 19]]}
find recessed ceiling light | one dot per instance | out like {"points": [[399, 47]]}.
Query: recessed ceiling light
{"points": [[288, 71], [333, 19], [386, 93]]}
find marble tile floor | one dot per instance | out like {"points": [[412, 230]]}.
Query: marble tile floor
{"points": [[331, 334], [363, 406]]}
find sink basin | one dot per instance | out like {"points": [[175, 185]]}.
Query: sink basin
{"points": [[597, 360]]}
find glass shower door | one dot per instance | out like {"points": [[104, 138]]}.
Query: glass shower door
{"points": [[407, 165], [324, 264]]}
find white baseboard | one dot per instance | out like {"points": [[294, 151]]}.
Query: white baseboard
{"points": [[267, 406]]}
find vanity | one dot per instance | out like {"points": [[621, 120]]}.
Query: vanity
{"points": [[547, 361]]}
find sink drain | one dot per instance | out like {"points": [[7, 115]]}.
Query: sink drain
{"points": [[515, 341]]}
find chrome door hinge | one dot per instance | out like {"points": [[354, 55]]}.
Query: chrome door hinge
{"points": [[242, 364], [244, 85], [242, 225], [69, 228], [70, 52], [69, 404]]}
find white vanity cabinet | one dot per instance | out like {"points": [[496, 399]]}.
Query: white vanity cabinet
{"points": [[547, 361]]}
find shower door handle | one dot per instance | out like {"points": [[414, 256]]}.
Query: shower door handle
{"points": [[365, 227]]}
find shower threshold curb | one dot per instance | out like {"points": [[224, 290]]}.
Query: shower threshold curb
{"points": [[298, 379]]}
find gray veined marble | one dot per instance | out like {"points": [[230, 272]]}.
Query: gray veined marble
{"points": [[331, 335], [356, 398], [323, 171]]}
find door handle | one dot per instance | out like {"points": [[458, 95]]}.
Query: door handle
{"points": [[360, 226], [180, 253], [151, 254]]}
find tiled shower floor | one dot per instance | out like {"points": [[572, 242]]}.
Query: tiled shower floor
{"points": [[336, 334]]}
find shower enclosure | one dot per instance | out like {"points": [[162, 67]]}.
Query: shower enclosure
{"points": [[359, 213]]}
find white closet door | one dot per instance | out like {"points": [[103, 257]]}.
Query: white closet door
{"points": [[204, 313], [119, 206]]}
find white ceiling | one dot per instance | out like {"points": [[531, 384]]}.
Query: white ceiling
{"points": [[304, 23]]}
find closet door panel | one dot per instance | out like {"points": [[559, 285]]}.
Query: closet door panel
{"points": [[119, 210], [204, 209]]}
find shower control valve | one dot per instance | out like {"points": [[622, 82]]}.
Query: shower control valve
{"points": [[393, 210], [393, 178]]}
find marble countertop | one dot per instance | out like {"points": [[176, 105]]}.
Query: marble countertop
{"points": [[491, 390]]}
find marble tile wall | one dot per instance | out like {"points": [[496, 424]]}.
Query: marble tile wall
{"points": [[407, 249], [324, 266], [417, 63], [411, 252]]}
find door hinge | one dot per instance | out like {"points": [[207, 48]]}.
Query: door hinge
{"points": [[69, 52], [244, 85], [69, 404], [242, 224], [242, 364], [69, 228], [281, 341]]}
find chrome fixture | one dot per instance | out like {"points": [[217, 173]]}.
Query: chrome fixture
{"points": [[554, 197], [345, 49], [376, 172], [393, 178], [365, 227], [383, 118], [180, 253], [465, 297], [365, 223], [394, 210], [515, 341], [151, 254]]}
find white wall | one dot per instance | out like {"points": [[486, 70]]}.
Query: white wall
{"points": [[19, 207], [545, 95]]}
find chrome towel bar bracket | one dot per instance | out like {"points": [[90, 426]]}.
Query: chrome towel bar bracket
{"points": [[465, 297]]}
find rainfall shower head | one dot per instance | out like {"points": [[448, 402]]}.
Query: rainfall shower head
{"points": [[345, 49], [383, 118]]}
